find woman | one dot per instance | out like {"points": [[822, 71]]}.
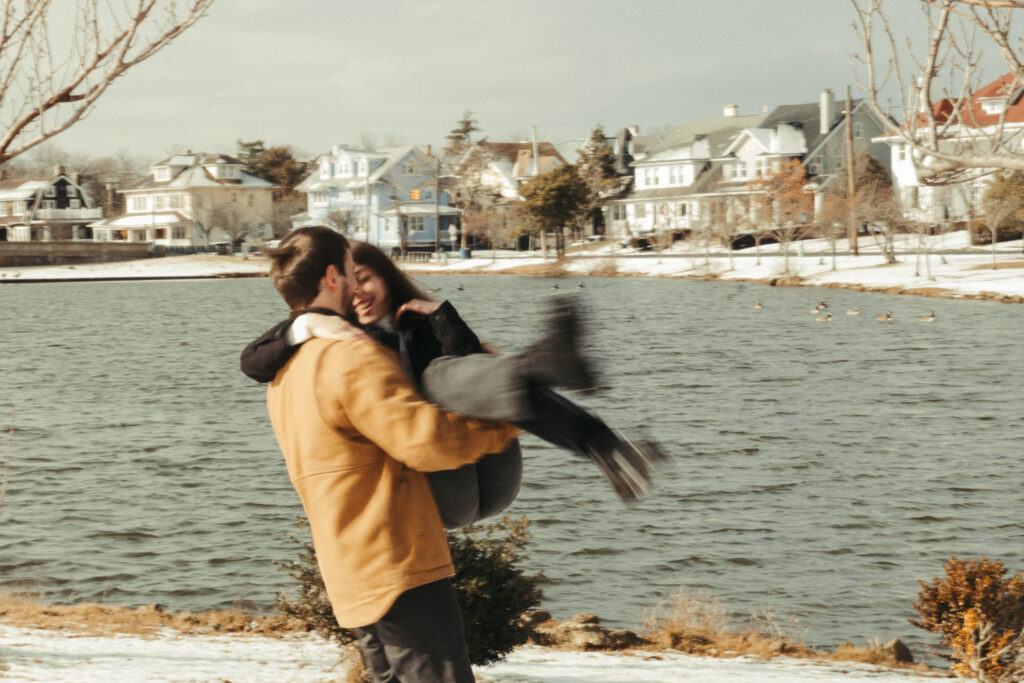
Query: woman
{"points": [[445, 359]]}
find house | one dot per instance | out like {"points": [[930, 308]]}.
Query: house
{"points": [[513, 163], [968, 125], [708, 163], [669, 174], [379, 196], [193, 199], [45, 209]]}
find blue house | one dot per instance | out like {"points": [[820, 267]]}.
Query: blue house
{"points": [[378, 195]]}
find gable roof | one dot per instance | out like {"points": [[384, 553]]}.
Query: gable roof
{"points": [[972, 112], [717, 133], [188, 170]]}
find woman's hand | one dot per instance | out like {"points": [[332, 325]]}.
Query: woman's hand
{"points": [[333, 327], [417, 306]]}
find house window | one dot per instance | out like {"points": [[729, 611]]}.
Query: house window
{"points": [[178, 233], [640, 211], [138, 204], [49, 204], [346, 168], [20, 208], [901, 152], [415, 224], [75, 203], [682, 208], [160, 233], [814, 167], [160, 202], [227, 171], [408, 168], [319, 197], [618, 212], [162, 174], [69, 190], [51, 191], [858, 130], [250, 200], [3, 208], [177, 201], [362, 168], [673, 176]]}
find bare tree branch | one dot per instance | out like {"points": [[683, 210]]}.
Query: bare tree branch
{"points": [[44, 92], [949, 136]]}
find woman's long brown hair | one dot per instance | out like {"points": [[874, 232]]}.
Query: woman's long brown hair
{"points": [[400, 288]]}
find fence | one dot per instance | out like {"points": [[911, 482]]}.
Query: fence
{"points": [[16, 254]]}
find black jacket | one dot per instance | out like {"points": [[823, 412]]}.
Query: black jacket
{"points": [[419, 340]]}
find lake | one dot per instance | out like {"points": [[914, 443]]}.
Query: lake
{"points": [[818, 471]]}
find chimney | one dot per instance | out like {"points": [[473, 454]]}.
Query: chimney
{"points": [[58, 169], [426, 149], [635, 129], [827, 109], [186, 150], [730, 110]]}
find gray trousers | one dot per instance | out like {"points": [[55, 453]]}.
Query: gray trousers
{"points": [[419, 640], [490, 388]]}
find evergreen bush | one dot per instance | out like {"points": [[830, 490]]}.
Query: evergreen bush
{"points": [[493, 590], [979, 615]]}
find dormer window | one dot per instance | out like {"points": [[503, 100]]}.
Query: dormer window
{"points": [[228, 172], [162, 174], [993, 106], [50, 191], [346, 168]]}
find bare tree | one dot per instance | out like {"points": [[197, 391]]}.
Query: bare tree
{"points": [[949, 140], [233, 221], [49, 81], [341, 219]]}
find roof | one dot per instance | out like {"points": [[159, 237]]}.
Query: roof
{"points": [[23, 188], [189, 171], [972, 114], [807, 117], [188, 158], [421, 210], [520, 156], [717, 132]]}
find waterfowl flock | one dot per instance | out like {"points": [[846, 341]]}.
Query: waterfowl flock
{"points": [[822, 314]]}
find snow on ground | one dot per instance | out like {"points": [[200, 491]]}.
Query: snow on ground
{"points": [[955, 265], [67, 657]]}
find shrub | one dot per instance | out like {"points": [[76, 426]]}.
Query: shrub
{"points": [[493, 591], [979, 615]]}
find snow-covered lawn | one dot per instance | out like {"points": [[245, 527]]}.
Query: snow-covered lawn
{"points": [[70, 657]]}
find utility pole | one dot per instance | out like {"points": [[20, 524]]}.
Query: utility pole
{"points": [[851, 223], [437, 212]]}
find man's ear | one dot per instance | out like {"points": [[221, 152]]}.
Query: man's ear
{"points": [[330, 278]]}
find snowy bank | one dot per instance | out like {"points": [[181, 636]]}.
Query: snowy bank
{"points": [[64, 656], [952, 269]]}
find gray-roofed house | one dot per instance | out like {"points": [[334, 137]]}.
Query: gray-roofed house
{"points": [[372, 194], [45, 209], [706, 162], [671, 172], [193, 199]]}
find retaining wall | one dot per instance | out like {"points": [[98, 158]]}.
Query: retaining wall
{"points": [[15, 254]]}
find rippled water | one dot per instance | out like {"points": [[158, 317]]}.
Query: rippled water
{"points": [[818, 470]]}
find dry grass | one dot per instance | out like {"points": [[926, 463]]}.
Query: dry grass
{"points": [[99, 619], [605, 267], [698, 624], [999, 266]]}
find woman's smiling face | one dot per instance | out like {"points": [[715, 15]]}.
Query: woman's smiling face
{"points": [[372, 300]]}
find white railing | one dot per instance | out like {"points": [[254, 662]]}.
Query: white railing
{"points": [[69, 214]]}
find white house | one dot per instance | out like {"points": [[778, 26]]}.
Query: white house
{"points": [[45, 209], [191, 199], [374, 195]]}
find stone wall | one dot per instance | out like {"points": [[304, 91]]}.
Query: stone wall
{"points": [[16, 254]]}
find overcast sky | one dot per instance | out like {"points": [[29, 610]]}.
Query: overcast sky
{"points": [[310, 73]]}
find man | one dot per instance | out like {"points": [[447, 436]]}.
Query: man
{"points": [[357, 438]]}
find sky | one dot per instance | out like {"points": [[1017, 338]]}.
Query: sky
{"points": [[312, 73]]}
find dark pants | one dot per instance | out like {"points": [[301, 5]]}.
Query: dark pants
{"points": [[419, 640]]}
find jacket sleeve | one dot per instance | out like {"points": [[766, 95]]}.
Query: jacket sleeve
{"points": [[453, 333], [366, 384], [262, 358]]}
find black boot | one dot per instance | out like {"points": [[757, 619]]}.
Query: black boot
{"points": [[556, 360], [626, 463]]}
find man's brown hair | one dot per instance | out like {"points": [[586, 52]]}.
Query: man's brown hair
{"points": [[300, 262]]}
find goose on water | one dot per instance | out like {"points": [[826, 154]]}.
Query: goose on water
{"points": [[827, 318], [853, 311], [884, 317], [930, 318]]}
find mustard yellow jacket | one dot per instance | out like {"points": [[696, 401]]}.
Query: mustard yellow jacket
{"points": [[357, 438]]}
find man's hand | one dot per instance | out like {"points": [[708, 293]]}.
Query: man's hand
{"points": [[333, 327], [417, 306]]}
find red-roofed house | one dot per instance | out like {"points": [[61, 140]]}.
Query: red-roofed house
{"points": [[993, 112]]}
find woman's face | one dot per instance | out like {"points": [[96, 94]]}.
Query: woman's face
{"points": [[372, 300]]}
